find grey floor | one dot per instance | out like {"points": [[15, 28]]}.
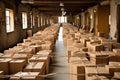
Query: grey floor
{"points": [[60, 65]]}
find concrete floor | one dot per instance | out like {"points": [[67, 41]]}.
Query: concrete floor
{"points": [[60, 64]]}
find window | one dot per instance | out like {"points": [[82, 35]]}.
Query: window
{"points": [[62, 19], [41, 21], [47, 21], [31, 20], [9, 20], [44, 21], [24, 20], [38, 21]]}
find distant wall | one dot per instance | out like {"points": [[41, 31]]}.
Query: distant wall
{"points": [[10, 39], [53, 19], [113, 13]]}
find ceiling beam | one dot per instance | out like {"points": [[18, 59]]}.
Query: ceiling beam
{"points": [[49, 2], [54, 6]]}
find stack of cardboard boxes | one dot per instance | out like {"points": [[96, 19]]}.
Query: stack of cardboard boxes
{"points": [[96, 58], [30, 59]]}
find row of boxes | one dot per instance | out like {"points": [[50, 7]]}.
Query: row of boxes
{"points": [[31, 59], [94, 58]]}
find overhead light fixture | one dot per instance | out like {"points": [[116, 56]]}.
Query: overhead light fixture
{"points": [[63, 13], [77, 17], [62, 9], [61, 4], [91, 16], [94, 10], [27, 1]]}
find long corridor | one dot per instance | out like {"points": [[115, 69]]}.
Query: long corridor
{"points": [[60, 64]]}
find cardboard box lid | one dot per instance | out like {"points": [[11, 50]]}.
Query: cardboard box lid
{"points": [[35, 46], [94, 54], [77, 59], [97, 77], [5, 59], [89, 63], [39, 58], [39, 65], [91, 70], [20, 56], [46, 52], [34, 65], [79, 53], [116, 64], [116, 50], [30, 75], [109, 53], [117, 74], [102, 70], [7, 55], [17, 61], [1, 54]]}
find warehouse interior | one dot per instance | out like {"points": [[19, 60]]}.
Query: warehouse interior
{"points": [[59, 39]]}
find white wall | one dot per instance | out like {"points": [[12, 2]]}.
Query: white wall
{"points": [[91, 18], [113, 12], [82, 19]]}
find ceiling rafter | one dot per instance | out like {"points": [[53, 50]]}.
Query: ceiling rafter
{"points": [[53, 7]]}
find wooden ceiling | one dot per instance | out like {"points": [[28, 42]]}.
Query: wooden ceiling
{"points": [[52, 7]]}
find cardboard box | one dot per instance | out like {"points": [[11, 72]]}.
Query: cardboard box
{"points": [[103, 71], [75, 69], [36, 48], [1, 54], [116, 75], [16, 66], [117, 51], [77, 35], [9, 51], [116, 45], [26, 76], [27, 40], [28, 51], [113, 67], [84, 41], [44, 52], [69, 55], [90, 71], [38, 58], [5, 65], [1, 73], [107, 46], [96, 77], [47, 53], [99, 59], [85, 49], [7, 56], [70, 42], [95, 47], [77, 59], [78, 54], [21, 57], [114, 58], [35, 67], [89, 63]]}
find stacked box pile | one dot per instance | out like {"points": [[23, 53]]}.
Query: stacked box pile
{"points": [[91, 57], [30, 59]]}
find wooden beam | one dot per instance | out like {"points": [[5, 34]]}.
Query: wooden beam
{"points": [[49, 2]]}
